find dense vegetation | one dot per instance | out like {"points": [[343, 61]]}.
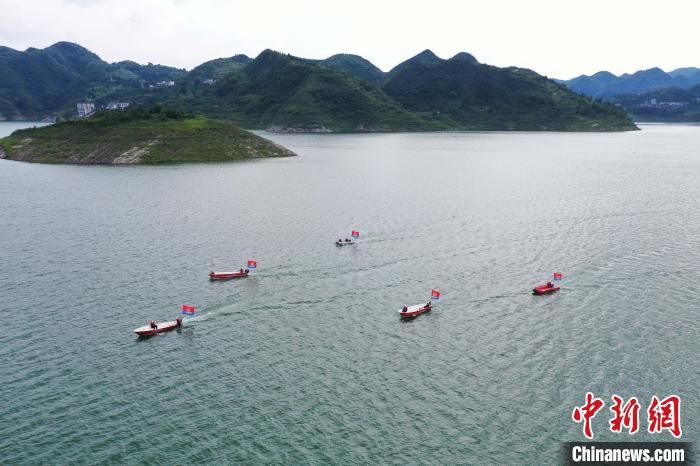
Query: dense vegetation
{"points": [[341, 93], [218, 68], [426, 57], [670, 104], [282, 91], [647, 95], [464, 94], [356, 66], [149, 136], [37, 83]]}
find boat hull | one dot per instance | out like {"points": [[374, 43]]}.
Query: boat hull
{"points": [[544, 289], [227, 275], [415, 311], [344, 243], [148, 331]]}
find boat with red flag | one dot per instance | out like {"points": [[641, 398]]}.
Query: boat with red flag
{"points": [[240, 273], [409, 312], [153, 328], [347, 241], [549, 287]]}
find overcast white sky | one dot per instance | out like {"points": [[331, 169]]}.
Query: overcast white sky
{"points": [[557, 38]]}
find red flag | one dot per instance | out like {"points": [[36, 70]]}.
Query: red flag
{"points": [[558, 275], [355, 234], [252, 264], [435, 294], [187, 309]]}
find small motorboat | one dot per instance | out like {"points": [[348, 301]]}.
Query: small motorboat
{"points": [[408, 312], [545, 289], [344, 242], [153, 328], [228, 275]]}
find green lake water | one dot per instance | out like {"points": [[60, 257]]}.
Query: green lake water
{"points": [[307, 360]]}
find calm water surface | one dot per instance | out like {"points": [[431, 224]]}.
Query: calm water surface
{"points": [[307, 361]]}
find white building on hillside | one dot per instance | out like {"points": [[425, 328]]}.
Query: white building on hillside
{"points": [[85, 109], [116, 105], [161, 84]]}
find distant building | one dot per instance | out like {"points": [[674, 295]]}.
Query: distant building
{"points": [[85, 109], [655, 103], [116, 105], [161, 84], [209, 81]]}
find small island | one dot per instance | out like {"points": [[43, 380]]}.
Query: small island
{"points": [[137, 136]]}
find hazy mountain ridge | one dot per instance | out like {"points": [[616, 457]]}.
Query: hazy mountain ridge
{"points": [[668, 104], [605, 84]]}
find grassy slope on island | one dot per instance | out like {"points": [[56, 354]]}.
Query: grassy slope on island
{"points": [[475, 96], [147, 136], [277, 90]]}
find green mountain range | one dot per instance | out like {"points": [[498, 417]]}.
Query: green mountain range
{"points": [[341, 93], [39, 82], [294, 94], [464, 94]]}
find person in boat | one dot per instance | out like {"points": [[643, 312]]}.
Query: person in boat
{"points": [[340, 240], [427, 306], [247, 271], [405, 309], [347, 240], [153, 325], [178, 321], [241, 270], [550, 284]]}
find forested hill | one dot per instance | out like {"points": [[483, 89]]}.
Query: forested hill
{"points": [[38, 82], [465, 94], [281, 92]]}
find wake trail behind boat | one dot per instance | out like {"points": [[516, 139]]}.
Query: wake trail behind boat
{"points": [[195, 319]]}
